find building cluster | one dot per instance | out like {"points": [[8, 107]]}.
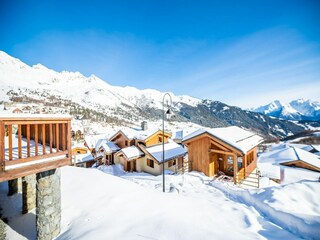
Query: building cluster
{"points": [[230, 150]]}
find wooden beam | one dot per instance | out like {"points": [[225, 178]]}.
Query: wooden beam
{"points": [[35, 158], [43, 132], [235, 168], [33, 169], [10, 141], [28, 140], [220, 151], [19, 141], [219, 145], [34, 121], [63, 132], [36, 138], [2, 146], [57, 137], [50, 136], [69, 140]]}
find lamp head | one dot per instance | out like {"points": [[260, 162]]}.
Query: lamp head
{"points": [[168, 114]]}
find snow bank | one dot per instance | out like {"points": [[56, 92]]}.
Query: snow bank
{"points": [[96, 205], [295, 206]]}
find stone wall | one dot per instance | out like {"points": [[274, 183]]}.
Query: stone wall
{"points": [[48, 203], [28, 193]]}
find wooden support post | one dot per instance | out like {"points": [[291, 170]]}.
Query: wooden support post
{"points": [[36, 138], [63, 125], [244, 160], [19, 142], [43, 139], [235, 168], [2, 147], [69, 140], [10, 141], [28, 140], [57, 137], [50, 136]]}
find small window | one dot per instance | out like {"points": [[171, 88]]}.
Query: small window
{"points": [[78, 152], [171, 163], [126, 143], [150, 163], [160, 139]]}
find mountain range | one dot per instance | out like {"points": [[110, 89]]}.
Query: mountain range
{"points": [[95, 99], [297, 110]]}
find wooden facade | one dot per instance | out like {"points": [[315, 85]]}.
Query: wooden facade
{"points": [[33, 144], [140, 163], [211, 155]]}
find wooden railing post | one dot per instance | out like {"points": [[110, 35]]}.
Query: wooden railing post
{"points": [[36, 138], [2, 147], [69, 139], [10, 140]]}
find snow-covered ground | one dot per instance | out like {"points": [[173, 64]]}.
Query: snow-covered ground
{"points": [[98, 205]]}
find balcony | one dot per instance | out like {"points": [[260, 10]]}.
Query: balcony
{"points": [[31, 144]]}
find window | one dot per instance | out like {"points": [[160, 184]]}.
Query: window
{"points": [[126, 143], [150, 163], [78, 152], [160, 139], [172, 163]]}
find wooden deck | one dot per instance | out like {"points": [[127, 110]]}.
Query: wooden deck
{"points": [[31, 144]]}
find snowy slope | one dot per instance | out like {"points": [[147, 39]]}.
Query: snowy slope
{"points": [[295, 110]]}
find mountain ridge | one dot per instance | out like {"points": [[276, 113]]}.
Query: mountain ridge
{"points": [[297, 110], [97, 100]]}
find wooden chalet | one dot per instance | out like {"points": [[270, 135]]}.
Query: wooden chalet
{"points": [[141, 151], [230, 150], [31, 144]]}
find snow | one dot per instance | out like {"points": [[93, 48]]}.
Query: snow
{"points": [[12, 116], [96, 205], [131, 152], [269, 164], [239, 138], [285, 153], [81, 158], [171, 149]]}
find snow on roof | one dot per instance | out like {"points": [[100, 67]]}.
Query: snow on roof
{"points": [[236, 137], [288, 154], [137, 133], [181, 133], [132, 152], [33, 116], [302, 146], [110, 147], [81, 158], [92, 140], [171, 150]]}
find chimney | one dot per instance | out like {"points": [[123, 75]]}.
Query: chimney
{"points": [[144, 126]]}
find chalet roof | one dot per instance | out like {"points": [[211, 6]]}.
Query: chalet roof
{"points": [[241, 139], [92, 140], [81, 158], [131, 152], [131, 133], [286, 154], [109, 147], [171, 150]]}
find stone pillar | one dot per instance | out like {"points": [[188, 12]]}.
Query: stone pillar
{"points": [[48, 211], [2, 230], [12, 187], [28, 193]]}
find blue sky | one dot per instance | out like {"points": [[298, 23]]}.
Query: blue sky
{"points": [[243, 53]]}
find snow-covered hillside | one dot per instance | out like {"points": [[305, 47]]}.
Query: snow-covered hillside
{"points": [[96, 205], [42, 90], [295, 110], [89, 91]]}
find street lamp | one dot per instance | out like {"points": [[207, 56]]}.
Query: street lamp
{"points": [[166, 114]]}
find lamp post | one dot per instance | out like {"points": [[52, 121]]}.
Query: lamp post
{"points": [[167, 115]]}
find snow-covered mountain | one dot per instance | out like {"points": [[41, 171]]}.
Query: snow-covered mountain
{"points": [[300, 109], [94, 99]]}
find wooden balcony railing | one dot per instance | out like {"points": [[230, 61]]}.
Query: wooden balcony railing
{"points": [[33, 143]]}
